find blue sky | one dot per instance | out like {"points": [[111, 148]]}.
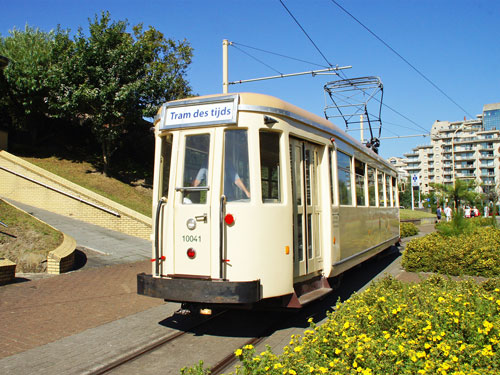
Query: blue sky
{"points": [[454, 43]]}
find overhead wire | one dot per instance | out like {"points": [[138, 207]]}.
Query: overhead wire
{"points": [[306, 34], [341, 73], [256, 59], [278, 54], [402, 58]]}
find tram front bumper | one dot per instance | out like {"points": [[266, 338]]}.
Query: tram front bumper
{"points": [[199, 290]]}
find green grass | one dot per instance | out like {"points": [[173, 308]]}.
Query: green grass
{"points": [[134, 196], [409, 214], [26, 241]]}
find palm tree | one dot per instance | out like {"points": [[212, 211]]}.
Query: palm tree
{"points": [[462, 190]]}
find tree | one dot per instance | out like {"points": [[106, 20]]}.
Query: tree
{"points": [[462, 190], [28, 79], [118, 78], [108, 81]]}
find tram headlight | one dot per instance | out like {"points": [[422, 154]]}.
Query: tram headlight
{"points": [[191, 224]]}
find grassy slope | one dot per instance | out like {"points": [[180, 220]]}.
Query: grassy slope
{"points": [[26, 241], [409, 214], [137, 198]]}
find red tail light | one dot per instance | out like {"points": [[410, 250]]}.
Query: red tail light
{"points": [[229, 219], [191, 253]]}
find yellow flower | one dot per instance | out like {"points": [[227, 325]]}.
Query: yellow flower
{"points": [[346, 325], [248, 347], [292, 372], [297, 349], [337, 351], [238, 352]]}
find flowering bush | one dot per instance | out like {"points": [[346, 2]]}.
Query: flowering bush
{"points": [[476, 253], [407, 229], [436, 327]]}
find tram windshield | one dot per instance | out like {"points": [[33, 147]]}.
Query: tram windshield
{"points": [[236, 170], [196, 168]]}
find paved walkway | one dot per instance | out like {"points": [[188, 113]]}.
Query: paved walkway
{"points": [[114, 247], [47, 309]]}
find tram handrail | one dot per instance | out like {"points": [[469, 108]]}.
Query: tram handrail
{"points": [[192, 188], [161, 202], [221, 233], [62, 192]]}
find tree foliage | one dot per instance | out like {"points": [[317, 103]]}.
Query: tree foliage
{"points": [[108, 80], [463, 191]]}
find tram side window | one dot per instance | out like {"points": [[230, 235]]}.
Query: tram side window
{"points": [[395, 191], [236, 171], [166, 157], [381, 195], [388, 190], [196, 168], [371, 186], [359, 170], [270, 167], [344, 166], [332, 186]]}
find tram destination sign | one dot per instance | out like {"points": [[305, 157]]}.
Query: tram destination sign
{"points": [[193, 113]]}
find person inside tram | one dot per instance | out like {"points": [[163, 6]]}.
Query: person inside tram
{"points": [[231, 179]]}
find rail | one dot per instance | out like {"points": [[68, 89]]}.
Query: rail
{"points": [[221, 234], [157, 258], [114, 213]]}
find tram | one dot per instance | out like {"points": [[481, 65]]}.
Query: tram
{"points": [[259, 203]]}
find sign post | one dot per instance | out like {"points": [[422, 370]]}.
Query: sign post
{"points": [[414, 182]]}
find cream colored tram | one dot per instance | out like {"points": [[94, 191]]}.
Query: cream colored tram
{"points": [[258, 202]]}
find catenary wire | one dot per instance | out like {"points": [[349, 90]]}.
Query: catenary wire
{"points": [[278, 54], [256, 59], [402, 58], [306, 34]]}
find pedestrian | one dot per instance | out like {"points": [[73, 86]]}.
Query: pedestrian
{"points": [[438, 213], [486, 211], [447, 213], [476, 211], [467, 212]]}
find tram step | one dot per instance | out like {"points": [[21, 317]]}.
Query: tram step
{"points": [[315, 294]]}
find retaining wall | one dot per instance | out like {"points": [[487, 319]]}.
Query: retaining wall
{"points": [[19, 189]]}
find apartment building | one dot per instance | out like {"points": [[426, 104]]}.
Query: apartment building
{"points": [[468, 149]]}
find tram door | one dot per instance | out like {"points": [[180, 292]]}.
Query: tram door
{"points": [[192, 203], [306, 202]]}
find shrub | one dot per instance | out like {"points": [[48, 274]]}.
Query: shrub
{"points": [[438, 326], [475, 254], [460, 225], [407, 229]]}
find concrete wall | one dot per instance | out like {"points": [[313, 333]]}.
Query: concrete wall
{"points": [[27, 192]]}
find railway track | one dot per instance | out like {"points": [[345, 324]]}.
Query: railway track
{"points": [[208, 340]]}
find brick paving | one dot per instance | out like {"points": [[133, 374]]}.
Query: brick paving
{"points": [[38, 312]]}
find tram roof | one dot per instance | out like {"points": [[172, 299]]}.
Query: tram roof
{"points": [[268, 103]]}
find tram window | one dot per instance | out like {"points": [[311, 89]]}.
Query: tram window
{"points": [[388, 190], [196, 167], [381, 195], [166, 157], [371, 186], [270, 167], [344, 177], [236, 171], [395, 191], [359, 170], [332, 186]]}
